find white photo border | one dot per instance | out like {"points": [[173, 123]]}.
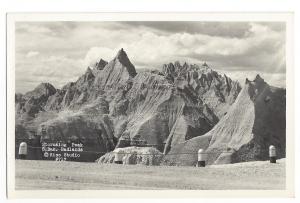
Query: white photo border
{"points": [[286, 17]]}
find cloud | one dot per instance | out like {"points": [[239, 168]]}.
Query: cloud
{"points": [[224, 29], [34, 28], [96, 53], [263, 51], [57, 70], [65, 49], [32, 54]]}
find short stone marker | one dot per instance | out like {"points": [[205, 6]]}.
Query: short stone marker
{"points": [[272, 154], [23, 150], [201, 158]]}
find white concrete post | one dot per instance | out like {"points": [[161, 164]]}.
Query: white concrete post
{"points": [[272, 154], [201, 158], [23, 150]]}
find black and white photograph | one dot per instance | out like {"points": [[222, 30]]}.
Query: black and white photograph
{"points": [[149, 103]]}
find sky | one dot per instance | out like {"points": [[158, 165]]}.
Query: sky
{"points": [[60, 52]]}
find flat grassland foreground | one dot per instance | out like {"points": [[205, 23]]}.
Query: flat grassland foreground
{"points": [[88, 176]]}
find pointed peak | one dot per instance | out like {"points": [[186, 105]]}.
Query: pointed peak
{"points": [[124, 60], [88, 70], [86, 76], [205, 64], [259, 82], [102, 61], [100, 64], [206, 69], [258, 78], [171, 64], [256, 87], [121, 53], [185, 64], [247, 81]]}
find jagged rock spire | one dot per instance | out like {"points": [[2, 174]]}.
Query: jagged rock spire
{"points": [[124, 60], [101, 64], [247, 81], [258, 79]]}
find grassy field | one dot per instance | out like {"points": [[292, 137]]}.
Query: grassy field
{"points": [[74, 175]]}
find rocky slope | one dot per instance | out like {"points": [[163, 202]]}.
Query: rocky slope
{"points": [[111, 102], [254, 122]]}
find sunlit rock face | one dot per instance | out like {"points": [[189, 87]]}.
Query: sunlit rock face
{"points": [[255, 121]]}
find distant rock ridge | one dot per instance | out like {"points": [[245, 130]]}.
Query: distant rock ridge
{"points": [[43, 89], [217, 91]]}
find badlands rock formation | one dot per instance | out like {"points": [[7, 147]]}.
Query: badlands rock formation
{"points": [[170, 109], [254, 122]]}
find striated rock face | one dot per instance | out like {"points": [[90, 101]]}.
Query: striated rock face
{"points": [[216, 91], [156, 111], [174, 110], [254, 122]]}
